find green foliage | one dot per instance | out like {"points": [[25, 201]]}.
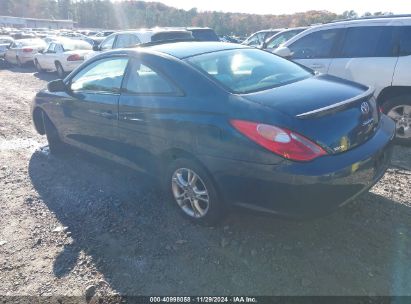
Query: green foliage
{"points": [[136, 14]]}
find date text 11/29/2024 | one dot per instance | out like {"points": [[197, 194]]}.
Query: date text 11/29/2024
{"points": [[233, 299]]}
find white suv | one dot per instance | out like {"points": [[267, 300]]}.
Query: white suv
{"points": [[374, 51]]}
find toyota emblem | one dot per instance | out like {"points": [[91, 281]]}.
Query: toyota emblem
{"points": [[365, 108]]}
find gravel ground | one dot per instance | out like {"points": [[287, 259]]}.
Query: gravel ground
{"points": [[79, 226]]}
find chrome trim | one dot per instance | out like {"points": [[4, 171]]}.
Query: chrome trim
{"points": [[367, 93]]}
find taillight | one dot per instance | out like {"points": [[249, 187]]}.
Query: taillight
{"points": [[75, 57], [283, 142], [27, 50]]}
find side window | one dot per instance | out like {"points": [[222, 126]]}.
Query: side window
{"points": [[58, 48], [280, 39], [126, 40], [368, 41], [103, 75], [144, 80], [315, 45], [405, 41], [254, 40], [51, 47], [108, 43]]}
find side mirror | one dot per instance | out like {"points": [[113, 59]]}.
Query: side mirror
{"points": [[56, 86], [284, 52], [96, 48], [41, 51], [9, 46]]}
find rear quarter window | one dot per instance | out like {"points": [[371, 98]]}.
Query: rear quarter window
{"points": [[368, 41]]}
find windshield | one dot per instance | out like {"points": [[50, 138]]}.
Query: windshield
{"points": [[248, 70]]}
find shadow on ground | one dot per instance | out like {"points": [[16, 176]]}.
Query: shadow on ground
{"points": [[141, 244]]}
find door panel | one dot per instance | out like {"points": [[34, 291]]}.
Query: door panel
{"points": [[151, 110], [402, 71], [90, 108], [367, 56], [375, 72], [319, 65], [90, 119]]}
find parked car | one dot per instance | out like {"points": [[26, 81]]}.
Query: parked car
{"points": [[5, 42], [22, 51], [62, 56], [278, 39], [223, 124], [100, 36], [203, 33], [257, 39], [371, 51], [133, 38], [77, 36]]}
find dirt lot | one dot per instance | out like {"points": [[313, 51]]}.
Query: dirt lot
{"points": [[74, 225]]}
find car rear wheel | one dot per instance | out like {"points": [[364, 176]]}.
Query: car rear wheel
{"points": [[60, 71], [56, 146], [38, 66], [399, 109], [193, 192]]}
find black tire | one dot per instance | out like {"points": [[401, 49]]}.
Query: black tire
{"points": [[56, 146], [60, 71], [38, 66], [398, 102], [216, 208]]}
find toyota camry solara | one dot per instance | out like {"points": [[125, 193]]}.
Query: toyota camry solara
{"points": [[223, 125]]}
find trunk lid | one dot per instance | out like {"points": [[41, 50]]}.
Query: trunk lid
{"points": [[337, 114]]}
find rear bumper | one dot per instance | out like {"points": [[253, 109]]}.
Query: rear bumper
{"points": [[26, 58], [69, 66], [305, 189]]}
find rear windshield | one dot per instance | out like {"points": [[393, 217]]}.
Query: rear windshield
{"points": [[163, 36], [249, 70], [205, 35], [76, 45]]}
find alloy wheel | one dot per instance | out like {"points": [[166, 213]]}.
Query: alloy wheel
{"points": [[402, 117], [190, 192]]}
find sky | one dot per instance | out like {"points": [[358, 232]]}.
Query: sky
{"points": [[292, 6]]}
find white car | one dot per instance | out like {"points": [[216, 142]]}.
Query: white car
{"points": [[22, 51], [5, 42], [62, 56], [373, 51]]}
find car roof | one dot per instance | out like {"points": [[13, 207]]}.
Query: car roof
{"points": [[183, 50], [387, 20]]}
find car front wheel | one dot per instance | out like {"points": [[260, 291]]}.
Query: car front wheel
{"points": [[18, 62], [60, 71], [38, 66], [193, 192], [399, 109]]}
